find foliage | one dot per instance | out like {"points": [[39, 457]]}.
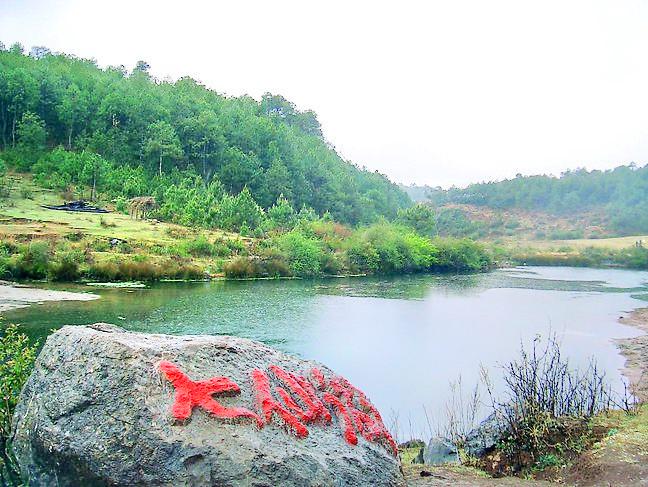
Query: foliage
{"points": [[66, 267], [33, 262], [388, 249], [32, 137], [420, 217], [239, 212], [304, 254], [621, 192], [175, 140], [282, 215], [5, 187], [633, 257], [17, 357]]}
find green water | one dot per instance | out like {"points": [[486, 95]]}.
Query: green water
{"points": [[401, 340]]}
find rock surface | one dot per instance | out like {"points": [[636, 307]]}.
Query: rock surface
{"points": [[440, 452], [484, 438], [480, 441], [106, 407]]}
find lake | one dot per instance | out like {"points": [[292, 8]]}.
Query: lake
{"points": [[402, 340]]}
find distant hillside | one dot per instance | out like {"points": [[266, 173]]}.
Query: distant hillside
{"points": [[615, 200], [128, 134]]}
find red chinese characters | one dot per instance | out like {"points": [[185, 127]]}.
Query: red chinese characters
{"points": [[288, 397], [190, 394], [295, 416]]}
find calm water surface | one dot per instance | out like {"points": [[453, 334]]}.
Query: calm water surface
{"points": [[402, 340]]}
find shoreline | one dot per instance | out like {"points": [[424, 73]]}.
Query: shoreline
{"points": [[635, 352], [14, 296]]}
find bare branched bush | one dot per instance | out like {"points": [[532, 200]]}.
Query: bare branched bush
{"points": [[546, 405]]}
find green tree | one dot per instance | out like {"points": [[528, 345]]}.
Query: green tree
{"points": [[282, 214], [32, 138], [19, 93], [72, 109], [162, 143], [275, 183], [202, 135], [93, 170], [420, 217], [236, 212]]}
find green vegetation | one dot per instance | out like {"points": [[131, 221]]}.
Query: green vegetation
{"points": [[17, 357], [209, 160], [37, 243], [620, 193], [212, 164], [630, 257]]}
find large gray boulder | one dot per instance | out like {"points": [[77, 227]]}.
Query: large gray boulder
{"points": [[108, 407]]}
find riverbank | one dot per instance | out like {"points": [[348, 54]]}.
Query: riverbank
{"points": [[619, 459], [14, 296], [635, 351]]}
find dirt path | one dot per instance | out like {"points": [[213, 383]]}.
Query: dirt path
{"points": [[457, 476], [13, 296]]}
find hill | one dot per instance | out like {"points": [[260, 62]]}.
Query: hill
{"points": [[124, 134], [609, 202]]}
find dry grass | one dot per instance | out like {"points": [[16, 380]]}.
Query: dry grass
{"points": [[615, 243]]}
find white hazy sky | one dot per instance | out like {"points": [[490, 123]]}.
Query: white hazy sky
{"points": [[432, 92]]}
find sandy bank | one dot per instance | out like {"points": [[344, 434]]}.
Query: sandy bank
{"points": [[12, 297], [635, 350]]}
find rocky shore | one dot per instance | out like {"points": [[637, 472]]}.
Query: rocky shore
{"points": [[14, 296]]}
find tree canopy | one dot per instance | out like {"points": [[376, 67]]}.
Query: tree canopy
{"points": [[163, 132], [622, 193]]}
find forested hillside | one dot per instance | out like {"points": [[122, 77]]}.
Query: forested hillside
{"points": [[621, 194], [124, 134]]}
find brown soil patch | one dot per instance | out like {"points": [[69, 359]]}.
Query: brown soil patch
{"points": [[443, 476]]}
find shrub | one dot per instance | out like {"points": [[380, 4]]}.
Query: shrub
{"points": [[200, 247], [104, 271], [236, 245], [304, 254], [4, 265], [17, 357], [332, 264], [66, 267], [461, 256], [33, 262], [273, 263], [363, 256], [121, 205], [104, 223], [141, 270], [241, 267], [547, 408]]}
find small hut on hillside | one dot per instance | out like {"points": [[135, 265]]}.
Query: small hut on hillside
{"points": [[141, 206]]}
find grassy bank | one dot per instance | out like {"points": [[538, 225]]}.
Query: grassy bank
{"points": [[39, 243], [616, 252]]}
